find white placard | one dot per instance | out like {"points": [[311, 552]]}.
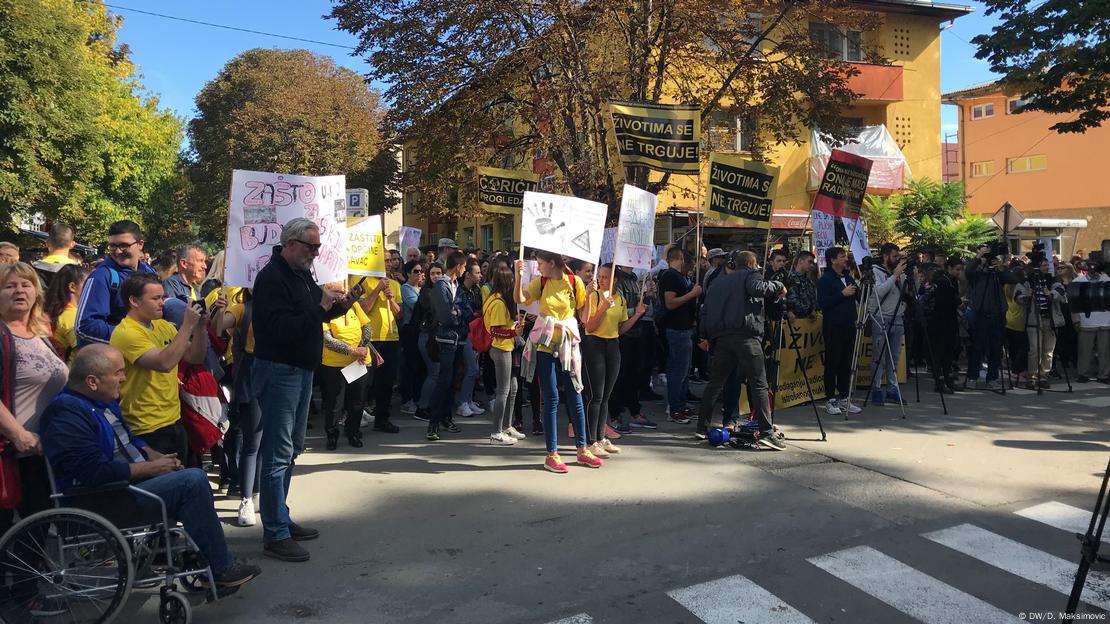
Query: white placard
{"points": [[354, 371], [608, 245], [261, 203], [824, 234], [408, 237], [564, 225], [636, 229], [857, 238], [531, 272]]}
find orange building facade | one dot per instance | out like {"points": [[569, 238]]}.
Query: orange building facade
{"points": [[1011, 156]]}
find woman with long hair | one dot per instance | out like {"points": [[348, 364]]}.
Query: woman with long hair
{"points": [[423, 318], [606, 318], [497, 314], [61, 307], [552, 352], [411, 364]]}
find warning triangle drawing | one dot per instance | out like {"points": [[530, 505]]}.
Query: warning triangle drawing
{"points": [[582, 241]]}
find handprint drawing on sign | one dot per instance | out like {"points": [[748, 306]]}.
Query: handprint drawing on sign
{"points": [[542, 218]]}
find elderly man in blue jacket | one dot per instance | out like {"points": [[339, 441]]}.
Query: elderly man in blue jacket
{"points": [[88, 444], [837, 294]]}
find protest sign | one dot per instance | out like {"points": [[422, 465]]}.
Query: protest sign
{"points": [[824, 234], [502, 190], [801, 355], [531, 272], [740, 192], [636, 229], [843, 185], [366, 247], [564, 225], [408, 237], [663, 137], [262, 203], [864, 366], [608, 243], [857, 238]]}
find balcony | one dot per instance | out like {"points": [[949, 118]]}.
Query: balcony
{"points": [[877, 83]]}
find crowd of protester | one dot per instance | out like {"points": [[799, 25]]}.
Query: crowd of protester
{"points": [[109, 368]]}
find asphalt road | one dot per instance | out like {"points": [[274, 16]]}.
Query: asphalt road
{"points": [[931, 518]]}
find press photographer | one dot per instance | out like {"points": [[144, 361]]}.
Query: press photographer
{"points": [[1041, 294], [986, 312], [886, 310]]}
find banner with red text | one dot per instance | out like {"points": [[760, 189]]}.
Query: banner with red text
{"points": [[843, 185]]}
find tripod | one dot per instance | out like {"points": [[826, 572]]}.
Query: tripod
{"points": [[1091, 542], [1041, 372], [867, 288], [935, 366], [776, 345]]}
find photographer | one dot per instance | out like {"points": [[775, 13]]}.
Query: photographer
{"points": [[986, 313], [940, 308], [801, 299], [886, 310], [1041, 294], [1094, 329]]}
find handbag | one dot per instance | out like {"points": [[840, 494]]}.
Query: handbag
{"points": [[11, 488]]}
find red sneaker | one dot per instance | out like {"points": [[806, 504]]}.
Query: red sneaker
{"points": [[555, 464], [612, 433], [586, 458]]}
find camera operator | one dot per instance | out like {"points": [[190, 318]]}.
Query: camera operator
{"points": [[1041, 294], [986, 313], [836, 296], [1094, 329], [732, 321], [801, 299], [886, 309], [941, 310]]}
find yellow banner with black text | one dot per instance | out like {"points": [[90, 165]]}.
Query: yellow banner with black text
{"points": [[660, 136], [502, 190], [740, 192]]}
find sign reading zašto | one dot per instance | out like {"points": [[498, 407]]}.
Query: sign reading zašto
{"points": [[502, 190], [663, 137]]}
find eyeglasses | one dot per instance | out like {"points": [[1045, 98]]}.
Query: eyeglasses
{"points": [[122, 246], [311, 246], [417, 271]]}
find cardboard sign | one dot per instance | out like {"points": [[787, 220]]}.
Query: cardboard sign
{"points": [[824, 234], [843, 185], [366, 247], [564, 225], [740, 192], [636, 229], [663, 137], [502, 190], [608, 244], [408, 237], [262, 203], [857, 238]]}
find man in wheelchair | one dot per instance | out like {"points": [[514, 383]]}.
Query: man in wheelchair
{"points": [[88, 445]]}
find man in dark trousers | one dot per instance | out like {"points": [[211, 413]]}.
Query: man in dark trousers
{"points": [[289, 310], [836, 296], [732, 322]]}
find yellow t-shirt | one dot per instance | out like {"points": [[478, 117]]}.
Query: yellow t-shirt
{"points": [[64, 336], [383, 322], [237, 310], [59, 259], [1015, 312], [347, 329], [496, 314], [556, 301], [485, 289], [148, 398], [614, 316]]}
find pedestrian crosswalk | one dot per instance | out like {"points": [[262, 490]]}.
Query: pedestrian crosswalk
{"points": [[892, 579]]}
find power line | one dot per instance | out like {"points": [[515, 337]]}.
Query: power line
{"points": [[226, 27]]}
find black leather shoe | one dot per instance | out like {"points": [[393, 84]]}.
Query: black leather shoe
{"points": [[355, 440], [451, 426], [286, 550], [302, 533], [386, 427], [333, 440]]}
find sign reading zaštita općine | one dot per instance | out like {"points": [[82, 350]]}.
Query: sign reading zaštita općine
{"points": [[502, 190], [662, 137], [843, 185], [262, 203], [741, 192]]}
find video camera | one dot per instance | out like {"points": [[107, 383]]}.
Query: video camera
{"points": [[1037, 255], [1091, 297]]}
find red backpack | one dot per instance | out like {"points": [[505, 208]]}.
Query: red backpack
{"points": [[480, 338]]}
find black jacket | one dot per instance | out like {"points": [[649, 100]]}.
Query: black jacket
{"points": [[287, 317], [735, 305]]}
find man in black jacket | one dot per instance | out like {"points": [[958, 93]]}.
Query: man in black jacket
{"points": [[941, 304], [289, 312], [732, 321], [986, 275]]}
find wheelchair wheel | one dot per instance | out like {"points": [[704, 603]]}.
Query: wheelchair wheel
{"points": [[174, 609], [66, 565]]}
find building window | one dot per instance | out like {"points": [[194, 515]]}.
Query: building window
{"points": [[487, 237], [1025, 164], [982, 111], [468, 238], [729, 132], [1014, 105], [982, 169], [838, 44], [507, 229]]}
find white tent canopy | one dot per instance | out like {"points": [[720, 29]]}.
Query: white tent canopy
{"points": [[889, 170]]}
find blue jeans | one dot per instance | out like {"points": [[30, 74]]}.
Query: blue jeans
{"points": [[430, 380], [881, 360], [680, 346], [550, 375], [283, 393], [442, 402], [188, 499], [470, 375]]}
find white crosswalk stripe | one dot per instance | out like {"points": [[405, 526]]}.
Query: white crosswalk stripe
{"points": [[1061, 516], [580, 618], [912, 592], [1021, 560], [736, 599]]}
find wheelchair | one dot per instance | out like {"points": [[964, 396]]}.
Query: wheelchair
{"points": [[77, 562]]}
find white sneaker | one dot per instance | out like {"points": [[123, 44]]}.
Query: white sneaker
{"points": [[500, 439], [475, 409], [464, 410], [246, 512], [852, 409], [367, 418], [512, 432], [832, 408], [408, 408]]}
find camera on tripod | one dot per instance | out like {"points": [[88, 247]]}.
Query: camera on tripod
{"points": [[1091, 296]]}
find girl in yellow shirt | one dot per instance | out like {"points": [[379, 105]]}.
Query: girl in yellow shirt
{"points": [[346, 340], [500, 322], [606, 318], [61, 307]]}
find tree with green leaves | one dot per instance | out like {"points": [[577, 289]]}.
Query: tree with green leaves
{"points": [[934, 217], [1056, 54], [490, 82], [880, 213], [287, 111], [81, 140]]}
